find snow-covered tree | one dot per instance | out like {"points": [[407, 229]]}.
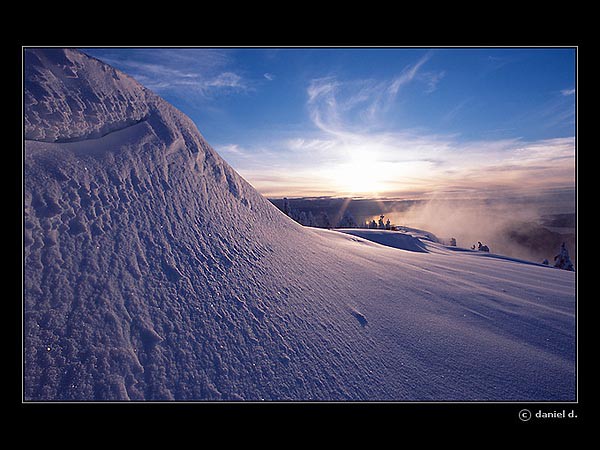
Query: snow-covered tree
{"points": [[347, 221], [373, 224], [286, 206], [381, 224], [562, 260], [482, 248], [324, 220], [302, 218], [453, 242], [388, 225]]}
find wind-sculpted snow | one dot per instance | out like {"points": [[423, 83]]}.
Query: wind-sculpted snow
{"points": [[69, 96], [154, 272]]}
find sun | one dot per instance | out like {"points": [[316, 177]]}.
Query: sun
{"points": [[358, 176]]}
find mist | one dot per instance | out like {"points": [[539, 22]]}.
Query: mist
{"points": [[520, 227]]}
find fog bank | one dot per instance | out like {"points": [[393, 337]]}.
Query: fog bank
{"points": [[513, 227]]}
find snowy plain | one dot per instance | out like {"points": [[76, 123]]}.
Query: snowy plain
{"points": [[153, 271]]}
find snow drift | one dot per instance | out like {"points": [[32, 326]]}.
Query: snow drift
{"points": [[153, 271]]}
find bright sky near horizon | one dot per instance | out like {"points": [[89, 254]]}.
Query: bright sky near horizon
{"points": [[375, 122]]}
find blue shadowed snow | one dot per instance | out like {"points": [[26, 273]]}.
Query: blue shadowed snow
{"points": [[396, 239]]}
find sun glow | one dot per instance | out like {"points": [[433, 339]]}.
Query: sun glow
{"points": [[359, 173], [369, 173], [359, 176]]}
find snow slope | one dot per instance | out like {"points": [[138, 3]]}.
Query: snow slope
{"points": [[153, 271]]}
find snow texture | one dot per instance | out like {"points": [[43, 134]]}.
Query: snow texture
{"points": [[153, 271]]}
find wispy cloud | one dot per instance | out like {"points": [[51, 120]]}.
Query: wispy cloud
{"points": [[408, 74], [232, 150], [226, 80], [269, 76], [497, 62], [412, 72], [197, 72], [320, 87], [433, 79], [556, 114], [364, 103], [455, 111]]}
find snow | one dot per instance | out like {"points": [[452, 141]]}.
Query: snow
{"points": [[153, 271], [69, 97], [401, 240]]}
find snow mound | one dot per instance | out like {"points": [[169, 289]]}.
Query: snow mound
{"points": [[396, 239], [153, 271]]}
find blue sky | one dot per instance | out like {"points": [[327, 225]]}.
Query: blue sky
{"points": [[375, 122]]}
